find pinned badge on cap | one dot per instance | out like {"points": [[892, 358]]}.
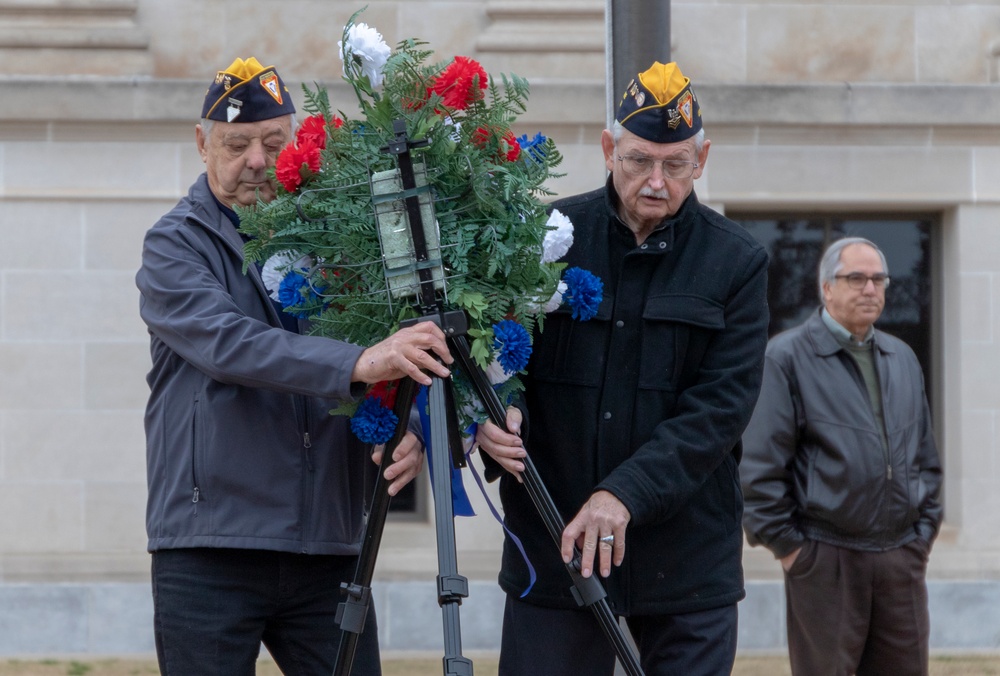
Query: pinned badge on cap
{"points": [[233, 111], [269, 81]]}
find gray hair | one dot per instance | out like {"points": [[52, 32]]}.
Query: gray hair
{"points": [[830, 264], [206, 126], [617, 131]]}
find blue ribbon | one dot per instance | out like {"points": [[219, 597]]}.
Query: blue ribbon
{"points": [[459, 498], [532, 576], [461, 505]]}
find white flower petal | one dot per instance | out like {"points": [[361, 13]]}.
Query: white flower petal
{"points": [[556, 299], [365, 45], [277, 266], [496, 374], [559, 238], [538, 304]]}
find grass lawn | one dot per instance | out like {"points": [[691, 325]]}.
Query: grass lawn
{"points": [[484, 665]]}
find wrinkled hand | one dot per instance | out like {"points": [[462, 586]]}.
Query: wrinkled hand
{"points": [[603, 514], [407, 462], [504, 447], [408, 352]]}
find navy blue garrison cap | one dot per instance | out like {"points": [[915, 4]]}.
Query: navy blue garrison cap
{"points": [[247, 92], [660, 106]]}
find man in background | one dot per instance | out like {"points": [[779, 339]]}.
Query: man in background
{"points": [[842, 480]]}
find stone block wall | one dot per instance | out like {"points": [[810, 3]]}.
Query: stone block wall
{"points": [[828, 105]]}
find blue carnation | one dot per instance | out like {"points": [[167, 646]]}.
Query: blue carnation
{"points": [[584, 292], [533, 149], [293, 291], [373, 423], [513, 345]]}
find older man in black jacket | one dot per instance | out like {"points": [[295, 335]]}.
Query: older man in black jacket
{"points": [[842, 478], [636, 415]]}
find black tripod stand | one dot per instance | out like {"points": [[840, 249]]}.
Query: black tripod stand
{"points": [[446, 453]]}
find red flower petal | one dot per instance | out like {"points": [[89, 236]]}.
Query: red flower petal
{"points": [[386, 391], [293, 160], [314, 129], [507, 146], [461, 83]]}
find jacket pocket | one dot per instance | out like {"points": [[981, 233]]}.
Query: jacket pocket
{"points": [[196, 449], [805, 561], [571, 351], [675, 332]]}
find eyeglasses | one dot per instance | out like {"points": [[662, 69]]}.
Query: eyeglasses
{"points": [[858, 281], [640, 165]]}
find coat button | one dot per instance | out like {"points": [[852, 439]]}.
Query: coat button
{"points": [[619, 323], [607, 415], [663, 245]]}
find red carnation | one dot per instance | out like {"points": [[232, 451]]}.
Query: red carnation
{"points": [[296, 163], [461, 83], [313, 129], [386, 391], [507, 146], [513, 147]]}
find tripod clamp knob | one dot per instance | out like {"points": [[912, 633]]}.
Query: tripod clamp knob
{"points": [[452, 589]]}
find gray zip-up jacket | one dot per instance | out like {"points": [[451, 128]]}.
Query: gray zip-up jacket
{"points": [[813, 463], [241, 450]]}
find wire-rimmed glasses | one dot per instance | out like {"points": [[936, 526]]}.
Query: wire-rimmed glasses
{"points": [[858, 281], [641, 165]]}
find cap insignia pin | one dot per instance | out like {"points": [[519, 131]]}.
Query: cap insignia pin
{"points": [[686, 107], [269, 81], [234, 109]]}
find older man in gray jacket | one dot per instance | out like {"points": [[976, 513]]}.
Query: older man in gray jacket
{"points": [[841, 479], [256, 493]]}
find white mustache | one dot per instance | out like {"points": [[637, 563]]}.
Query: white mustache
{"points": [[661, 194]]}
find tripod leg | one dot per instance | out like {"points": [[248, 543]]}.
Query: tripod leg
{"points": [[588, 591], [351, 613], [452, 587]]}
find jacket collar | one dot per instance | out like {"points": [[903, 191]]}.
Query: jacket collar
{"points": [[826, 344], [668, 231], [205, 210]]}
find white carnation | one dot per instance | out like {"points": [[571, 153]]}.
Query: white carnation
{"points": [[277, 266], [367, 49], [556, 299], [496, 374], [538, 304], [559, 237]]}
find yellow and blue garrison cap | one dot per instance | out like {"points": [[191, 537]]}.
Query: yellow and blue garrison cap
{"points": [[660, 106], [247, 92]]}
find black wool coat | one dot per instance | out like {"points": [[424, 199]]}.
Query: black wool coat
{"points": [[647, 400]]}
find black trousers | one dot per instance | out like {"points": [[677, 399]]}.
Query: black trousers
{"points": [[863, 613], [557, 642], [214, 607]]}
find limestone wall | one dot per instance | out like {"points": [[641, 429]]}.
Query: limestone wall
{"points": [[826, 105]]}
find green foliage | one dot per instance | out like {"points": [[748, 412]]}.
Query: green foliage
{"points": [[489, 211]]}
